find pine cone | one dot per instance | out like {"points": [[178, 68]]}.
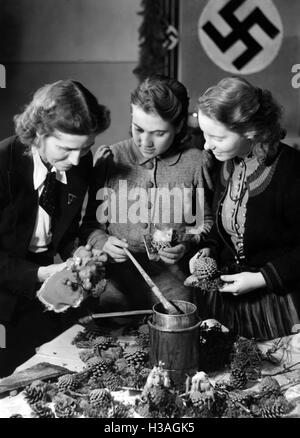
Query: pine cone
{"points": [[92, 330], [275, 406], [136, 358], [238, 397], [157, 396], [100, 398], [131, 380], [35, 392], [97, 367], [41, 410], [68, 381], [111, 381], [103, 343], [118, 410], [222, 385], [143, 341], [92, 412], [238, 379], [143, 409], [158, 245], [65, 406], [274, 412], [269, 385], [205, 267]]}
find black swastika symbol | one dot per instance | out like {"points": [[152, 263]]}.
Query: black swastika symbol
{"points": [[240, 32]]}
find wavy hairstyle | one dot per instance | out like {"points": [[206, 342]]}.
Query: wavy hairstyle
{"points": [[248, 111], [65, 105], [166, 97]]}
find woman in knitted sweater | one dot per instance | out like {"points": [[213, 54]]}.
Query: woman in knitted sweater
{"points": [[256, 237], [153, 184]]}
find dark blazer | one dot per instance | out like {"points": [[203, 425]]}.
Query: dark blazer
{"points": [[18, 209], [272, 227]]}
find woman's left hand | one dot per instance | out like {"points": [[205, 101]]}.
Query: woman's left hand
{"points": [[173, 254], [242, 283]]}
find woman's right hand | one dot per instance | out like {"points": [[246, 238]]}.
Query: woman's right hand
{"points": [[114, 248], [45, 272], [203, 252]]}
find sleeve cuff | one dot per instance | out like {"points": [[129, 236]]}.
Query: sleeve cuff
{"points": [[272, 278]]}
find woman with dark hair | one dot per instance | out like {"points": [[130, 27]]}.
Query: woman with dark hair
{"points": [[153, 181], [44, 174], [256, 237]]}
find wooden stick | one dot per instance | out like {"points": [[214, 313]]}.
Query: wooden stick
{"points": [[89, 318], [168, 306]]}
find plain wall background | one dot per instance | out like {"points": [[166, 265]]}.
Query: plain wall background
{"points": [[93, 41]]}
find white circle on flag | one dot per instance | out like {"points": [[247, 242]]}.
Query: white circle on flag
{"points": [[241, 40]]}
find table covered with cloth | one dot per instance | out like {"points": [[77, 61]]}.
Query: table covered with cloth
{"points": [[61, 351]]}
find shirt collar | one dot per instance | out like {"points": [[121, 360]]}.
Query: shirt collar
{"points": [[40, 170], [171, 157]]}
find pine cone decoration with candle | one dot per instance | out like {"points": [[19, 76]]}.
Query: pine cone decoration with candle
{"points": [[136, 358], [35, 392], [65, 406], [111, 381], [100, 398], [41, 410], [67, 382]]}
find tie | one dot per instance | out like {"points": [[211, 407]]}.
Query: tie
{"points": [[47, 198]]}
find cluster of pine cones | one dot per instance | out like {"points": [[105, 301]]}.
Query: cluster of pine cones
{"points": [[110, 367]]}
